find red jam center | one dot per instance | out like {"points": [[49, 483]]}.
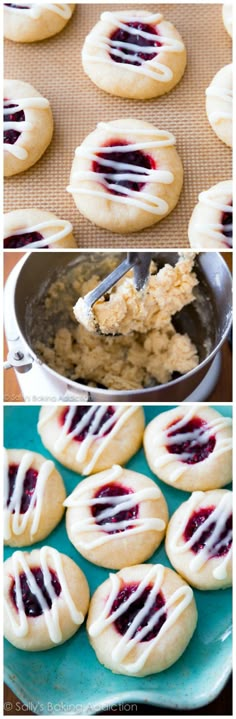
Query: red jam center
{"points": [[136, 158], [28, 486], [195, 447], [11, 136], [32, 606], [19, 7], [220, 546], [106, 492], [134, 56], [227, 225], [79, 414], [123, 622], [22, 240]]}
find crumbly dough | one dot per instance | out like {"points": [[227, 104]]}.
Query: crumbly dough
{"points": [[37, 22], [35, 138], [227, 15], [130, 544], [212, 572], [124, 213], [219, 104], [210, 473], [205, 227], [49, 500], [128, 80], [36, 636], [22, 221], [119, 446], [124, 362], [169, 644]]}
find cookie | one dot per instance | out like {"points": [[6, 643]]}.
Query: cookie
{"points": [[89, 439], [141, 620], [211, 223], [190, 447], [35, 21], [33, 497], [116, 518], [46, 597], [126, 175], [36, 229], [27, 127], [227, 16], [134, 54], [219, 104], [199, 539]]}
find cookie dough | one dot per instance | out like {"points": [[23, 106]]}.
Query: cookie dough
{"points": [[36, 229], [116, 518], [134, 54], [227, 15], [46, 598], [91, 439], [219, 104], [190, 448], [30, 22], [199, 539], [27, 126], [211, 223], [126, 175], [141, 620], [33, 497]]}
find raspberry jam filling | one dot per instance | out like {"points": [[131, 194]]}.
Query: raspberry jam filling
{"points": [[136, 158], [227, 225], [19, 7], [132, 55], [22, 240], [11, 136], [220, 547], [196, 448], [31, 604], [79, 414], [106, 492], [29, 485], [123, 622]]}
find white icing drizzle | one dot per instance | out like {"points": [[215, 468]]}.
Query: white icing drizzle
{"points": [[151, 68], [49, 558], [123, 170], [12, 515], [94, 415], [219, 516], [66, 228], [181, 598], [225, 95], [214, 230], [36, 10], [121, 503], [197, 436], [23, 103]]}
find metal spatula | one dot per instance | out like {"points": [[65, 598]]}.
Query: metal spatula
{"points": [[139, 261]]}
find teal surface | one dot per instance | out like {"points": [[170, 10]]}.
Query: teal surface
{"points": [[68, 679]]}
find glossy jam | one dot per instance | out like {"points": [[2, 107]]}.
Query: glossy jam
{"points": [[80, 412], [136, 158], [123, 623], [31, 605], [113, 490], [195, 521], [197, 451], [18, 7], [28, 486], [15, 241], [132, 57], [11, 136], [227, 225]]}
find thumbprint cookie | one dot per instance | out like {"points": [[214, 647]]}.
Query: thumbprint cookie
{"points": [[219, 104], [211, 224], [36, 229], [31, 22], [227, 16]]}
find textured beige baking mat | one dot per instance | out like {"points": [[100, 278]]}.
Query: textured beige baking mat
{"points": [[54, 68]]}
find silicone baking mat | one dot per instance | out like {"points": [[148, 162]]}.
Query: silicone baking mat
{"points": [[54, 68]]}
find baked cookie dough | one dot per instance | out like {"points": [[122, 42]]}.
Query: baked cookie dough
{"points": [[227, 15], [46, 598], [134, 54], [27, 126], [199, 539], [30, 22], [190, 447], [33, 497], [126, 175], [141, 620], [91, 439], [219, 104], [116, 518], [211, 223], [36, 229]]}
